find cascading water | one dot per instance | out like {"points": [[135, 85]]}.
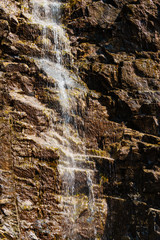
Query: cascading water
{"points": [[82, 212]]}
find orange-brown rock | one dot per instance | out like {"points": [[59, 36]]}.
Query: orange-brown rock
{"points": [[116, 47]]}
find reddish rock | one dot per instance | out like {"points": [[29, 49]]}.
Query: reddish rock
{"points": [[116, 48]]}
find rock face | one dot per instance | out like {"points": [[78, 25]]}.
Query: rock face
{"points": [[116, 47]]}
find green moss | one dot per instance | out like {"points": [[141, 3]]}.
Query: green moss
{"points": [[71, 3], [104, 179], [96, 152]]}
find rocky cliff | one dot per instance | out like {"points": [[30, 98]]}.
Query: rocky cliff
{"points": [[115, 46]]}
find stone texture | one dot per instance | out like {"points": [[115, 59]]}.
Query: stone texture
{"points": [[116, 47]]}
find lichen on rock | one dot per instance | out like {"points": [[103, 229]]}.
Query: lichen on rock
{"points": [[115, 46]]}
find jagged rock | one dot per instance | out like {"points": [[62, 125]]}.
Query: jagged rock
{"points": [[28, 31], [116, 46], [4, 28]]}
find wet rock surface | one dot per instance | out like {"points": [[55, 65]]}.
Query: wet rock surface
{"points": [[116, 46]]}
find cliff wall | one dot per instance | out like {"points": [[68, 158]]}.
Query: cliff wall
{"points": [[115, 46]]}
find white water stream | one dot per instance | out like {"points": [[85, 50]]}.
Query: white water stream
{"points": [[73, 166]]}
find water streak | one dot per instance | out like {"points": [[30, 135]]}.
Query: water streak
{"points": [[76, 171]]}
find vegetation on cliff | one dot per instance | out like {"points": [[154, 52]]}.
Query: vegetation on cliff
{"points": [[116, 47]]}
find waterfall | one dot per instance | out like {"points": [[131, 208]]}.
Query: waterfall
{"points": [[82, 210]]}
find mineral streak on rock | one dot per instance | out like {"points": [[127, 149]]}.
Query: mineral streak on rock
{"points": [[115, 46]]}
